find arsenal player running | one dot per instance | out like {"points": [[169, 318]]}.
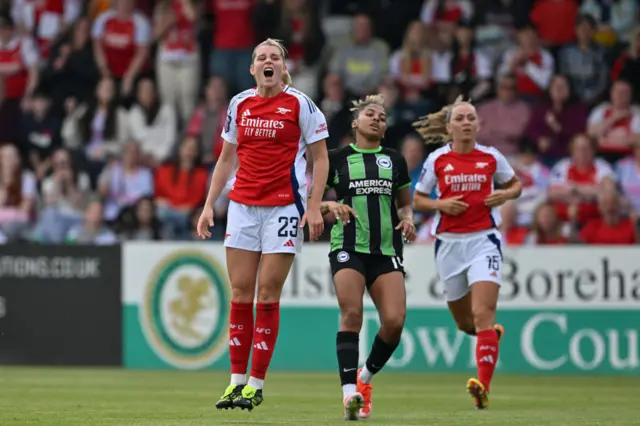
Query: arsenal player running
{"points": [[468, 246], [269, 128]]}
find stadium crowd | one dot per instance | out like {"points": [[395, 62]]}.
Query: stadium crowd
{"points": [[111, 110]]}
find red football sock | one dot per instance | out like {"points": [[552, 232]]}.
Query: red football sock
{"points": [[264, 338], [486, 356], [240, 336]]}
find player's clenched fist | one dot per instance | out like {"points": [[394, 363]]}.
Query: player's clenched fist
{"points": [[452, 206], [205, 222]]}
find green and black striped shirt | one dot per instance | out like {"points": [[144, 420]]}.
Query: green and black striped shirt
{"points": [[368, 181]]}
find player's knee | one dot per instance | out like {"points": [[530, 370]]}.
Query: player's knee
{"points": [[483, 316], [393, 325], [242, 291], [351, 319]]}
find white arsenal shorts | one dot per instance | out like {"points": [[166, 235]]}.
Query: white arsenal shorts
{"points": [[264, 229], [464, 260]]}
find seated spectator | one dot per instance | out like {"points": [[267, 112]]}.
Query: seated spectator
{"points": [[180, 187], [93, 230], [531, 64], [534, 177], [121, 38], [471, 70], [40, 134], [410, 65], [65, 194], [616, 124], [547, 228], [628, 177], [208, 120], [584, 62], [145, 225], [152, 123], [17, 194], [496, 22], [616, 19], [124, 182], [579, 179], [412, 148], [46, 19], [72, 70], [363, 62], [95, 131], [335, 108], [627, 66], [503, 120], [612, 227], [400, 113], [513, 234], [556, 120]]}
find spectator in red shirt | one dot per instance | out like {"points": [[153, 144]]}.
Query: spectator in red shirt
{"points": [[547, 228], [612, 227], [180, 187], [121, 43], [554, 20], [578, 180], [233, 40]]}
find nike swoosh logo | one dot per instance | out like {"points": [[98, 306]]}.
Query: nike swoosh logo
{"points": [[346, 370]]}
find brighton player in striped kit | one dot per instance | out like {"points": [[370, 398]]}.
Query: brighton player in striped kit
{"points": [[270, 128], [468, 246], [374, 215]]}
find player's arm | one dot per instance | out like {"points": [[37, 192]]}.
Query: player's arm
{"points": [[402, 186], [505, 176], [227, 160], [427, 181], [222, 172], [320, 172]]}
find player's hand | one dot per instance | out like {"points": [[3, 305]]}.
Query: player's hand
{"points": [[453, 206], [205, 222], [315, 221], [496, 198], [341, 211], [408, 230]]}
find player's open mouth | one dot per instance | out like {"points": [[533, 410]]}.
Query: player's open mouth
{"points": [[268, 72], [375, 127]]}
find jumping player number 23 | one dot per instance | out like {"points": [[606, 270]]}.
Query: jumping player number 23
{"points": [[288, 222]]}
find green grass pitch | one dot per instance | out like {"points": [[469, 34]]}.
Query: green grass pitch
{"points": [[115, 397]]}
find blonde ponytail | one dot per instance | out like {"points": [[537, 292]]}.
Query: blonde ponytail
{"points": [[286, 78], [433, 127]]}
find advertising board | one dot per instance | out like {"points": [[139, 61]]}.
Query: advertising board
{"points": [[569, 310]]}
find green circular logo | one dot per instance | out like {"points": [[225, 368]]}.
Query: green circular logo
{"points": [[185, 312]]}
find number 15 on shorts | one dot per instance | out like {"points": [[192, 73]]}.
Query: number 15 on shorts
{"points": [[493, 263]]}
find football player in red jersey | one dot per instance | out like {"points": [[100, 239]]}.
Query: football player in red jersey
{"points": [[468, 246], [269, 129]]}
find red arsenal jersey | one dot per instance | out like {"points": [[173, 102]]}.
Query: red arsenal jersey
{"points": [[470, 175], [272, 135]]}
